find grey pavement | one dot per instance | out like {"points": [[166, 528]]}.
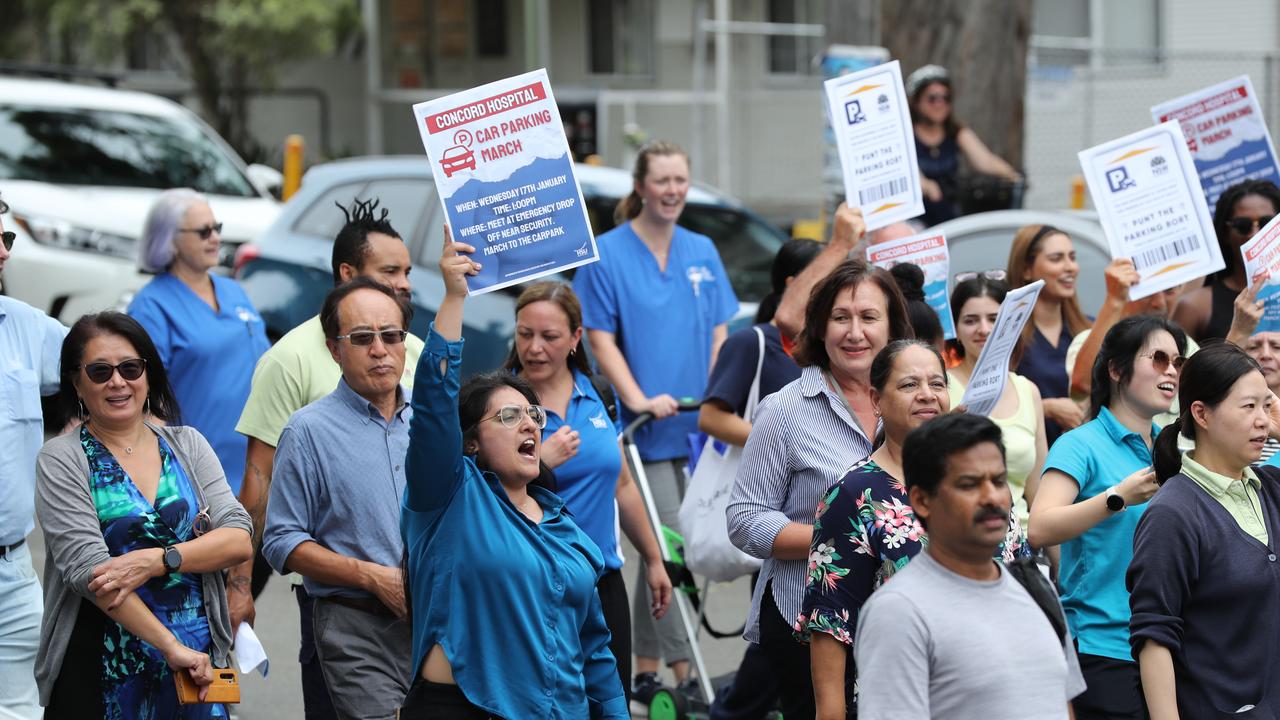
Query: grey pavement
{"points": [[279, 696]]}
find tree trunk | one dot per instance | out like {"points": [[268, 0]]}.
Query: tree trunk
{"points": [[188, 24], [983, 44], [852, 22]]}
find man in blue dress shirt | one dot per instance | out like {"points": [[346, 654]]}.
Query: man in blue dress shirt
{"points": [[334, 510], [30, 342]]}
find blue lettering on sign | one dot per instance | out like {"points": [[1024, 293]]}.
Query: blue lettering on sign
{"points": [[1118, 179]]}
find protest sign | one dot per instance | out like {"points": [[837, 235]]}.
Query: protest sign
{"points": [[991, 372], [505, 177], [872, 124], [929, 252], [1262, 259], [841, 60], [1226, 135], [1152, 208]]}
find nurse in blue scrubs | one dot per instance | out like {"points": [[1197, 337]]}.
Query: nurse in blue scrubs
{"points": [[656, 308], [208, 333]]}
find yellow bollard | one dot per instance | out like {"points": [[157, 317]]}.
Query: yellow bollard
{"points": [[1077, 192], [293, 146]]}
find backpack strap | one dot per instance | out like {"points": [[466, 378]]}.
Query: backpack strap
{"points": [[607, 396], [1027, 572]]}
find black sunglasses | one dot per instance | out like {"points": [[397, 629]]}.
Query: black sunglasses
{"points": [[1161, 361], [363, 338], [7, 238], [1245, 226], [101, 372], [204, 232]]}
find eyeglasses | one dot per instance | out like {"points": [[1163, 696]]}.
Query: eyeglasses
{"points": [[362, 338], [1245, 226], [101, 372], [510, 415], [7, 238], [937, 98], [205, 232], [988, 274], [1161, 361]]}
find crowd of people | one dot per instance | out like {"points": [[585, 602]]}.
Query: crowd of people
{"points": [[1098, 548]]}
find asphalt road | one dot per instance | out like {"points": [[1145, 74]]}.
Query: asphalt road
{"points": [[279, 696]]}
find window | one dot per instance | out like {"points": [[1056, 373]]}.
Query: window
{"points": [[115, 149], [620, 35], [792, 54], [491, 28], [323, 219], [1091, 32]]}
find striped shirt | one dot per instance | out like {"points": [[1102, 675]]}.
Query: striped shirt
{"points": [[802, 442]]}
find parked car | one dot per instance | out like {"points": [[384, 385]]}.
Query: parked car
{"points": [[981, 242], [80, 166], [287, 272]]}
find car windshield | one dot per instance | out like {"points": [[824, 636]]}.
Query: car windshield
{"points": [[117, 149]]}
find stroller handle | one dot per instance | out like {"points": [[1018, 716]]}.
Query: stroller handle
{"points": [[685, 405]]}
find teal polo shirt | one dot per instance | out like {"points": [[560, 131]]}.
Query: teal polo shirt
{"points": [[1097, 455]]}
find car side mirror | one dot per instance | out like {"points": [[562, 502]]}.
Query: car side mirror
{"points": [[267, 179]]}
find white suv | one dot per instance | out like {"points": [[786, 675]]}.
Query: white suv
{"points": [[80, 167]]}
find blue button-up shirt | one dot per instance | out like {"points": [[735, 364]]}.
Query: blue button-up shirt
{"points": [[30, 343], [1097, 455], [337, 480], [512, 603]]}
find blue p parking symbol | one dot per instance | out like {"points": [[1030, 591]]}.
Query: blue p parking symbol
{"points": [[853, 111], [1118, 179]]}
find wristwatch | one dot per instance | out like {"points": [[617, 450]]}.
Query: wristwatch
{"points": [[1115, 501], [172, 559]]}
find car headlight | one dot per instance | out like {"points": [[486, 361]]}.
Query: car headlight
{"points": [[62, 234]]}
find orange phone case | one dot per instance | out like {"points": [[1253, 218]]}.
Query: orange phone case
{"points": [[224, 689]]}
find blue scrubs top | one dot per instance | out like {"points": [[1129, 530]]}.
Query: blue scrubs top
{"points": [[1097, 455], [209, 356], [588, 481], [663, 321]]}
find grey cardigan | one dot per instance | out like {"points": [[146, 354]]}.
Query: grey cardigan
{"points": [[74, 545]]}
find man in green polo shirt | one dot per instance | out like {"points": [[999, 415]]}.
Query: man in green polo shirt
{"points": [[295, 372]]}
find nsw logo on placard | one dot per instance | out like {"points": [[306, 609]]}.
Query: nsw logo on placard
{"points": [[1159, 166], [1118, 179], [853, 111]]}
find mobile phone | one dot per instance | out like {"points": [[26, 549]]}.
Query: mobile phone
{"points": [[224, 689]]}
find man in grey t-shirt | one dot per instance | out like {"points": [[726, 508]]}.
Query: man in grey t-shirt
{"points": [[954, 635]]}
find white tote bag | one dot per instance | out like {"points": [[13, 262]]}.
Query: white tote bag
{"points": [[707, 548]]}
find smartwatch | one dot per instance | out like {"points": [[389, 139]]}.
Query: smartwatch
{"points": [[1115, 502], [172, 559]]}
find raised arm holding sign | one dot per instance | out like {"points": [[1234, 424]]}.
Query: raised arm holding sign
{"points": [[992, 370]]}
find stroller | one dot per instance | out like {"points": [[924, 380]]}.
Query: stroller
{"points": [[669, 703]]}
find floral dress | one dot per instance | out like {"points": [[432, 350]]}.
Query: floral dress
{"points": [[136, 681], [864, 532]]}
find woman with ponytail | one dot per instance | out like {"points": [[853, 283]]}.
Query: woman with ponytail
{"points": [[656, 308], [1096, 484], [1205, 577], [924, 319]]}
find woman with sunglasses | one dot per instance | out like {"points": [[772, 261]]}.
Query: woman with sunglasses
{"points": [[205, 328], [865, 529], [1203, 581], [1242, 210], [940, 140], [502, 581], [1096, 485], [1043, 252], [139, 523], [580, 443], [1019, 412]]}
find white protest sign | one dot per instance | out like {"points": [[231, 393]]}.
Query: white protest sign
{"points": [[1262, 259], [929, 252], [991, 372], [1152, 208], [1226, 134], [872, 124], [505, 177]]}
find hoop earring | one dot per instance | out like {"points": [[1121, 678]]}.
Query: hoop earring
{"points": [[84, 413], [573, 352], [146, 406]]}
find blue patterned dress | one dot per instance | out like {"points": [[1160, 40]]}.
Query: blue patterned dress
{"points": [[136, 681]]}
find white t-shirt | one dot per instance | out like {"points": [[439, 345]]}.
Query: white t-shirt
{"points": [[934, 644]]}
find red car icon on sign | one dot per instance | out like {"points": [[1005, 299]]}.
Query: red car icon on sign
{"points": [[456, 158]]}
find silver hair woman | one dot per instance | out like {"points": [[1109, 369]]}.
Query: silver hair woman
{"points": [[205, 328]]}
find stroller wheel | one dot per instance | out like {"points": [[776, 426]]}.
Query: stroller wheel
{"points": [[668, 704]]}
